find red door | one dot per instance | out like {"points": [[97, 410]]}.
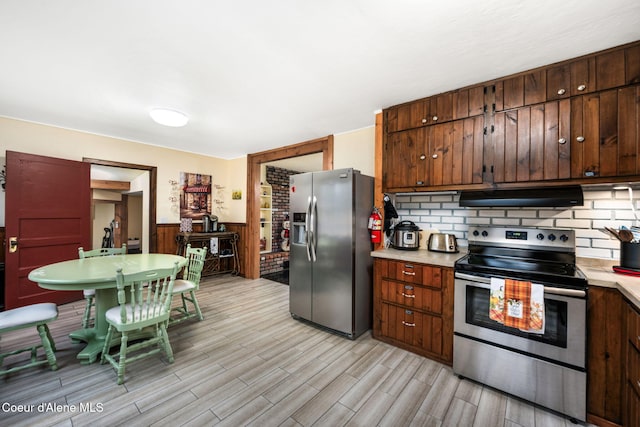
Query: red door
{"points": [[48, 216]]}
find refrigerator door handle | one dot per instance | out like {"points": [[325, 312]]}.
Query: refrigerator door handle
{"points": [[312, 240], [307, 230]]}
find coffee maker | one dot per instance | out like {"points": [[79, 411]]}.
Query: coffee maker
{"points": [[209, 223]]}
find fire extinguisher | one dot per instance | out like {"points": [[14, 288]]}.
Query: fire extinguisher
{"points": [[375, 225]]}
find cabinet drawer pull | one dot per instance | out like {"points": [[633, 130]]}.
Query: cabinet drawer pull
{"points": [[582, 87], [408, 273], [408, 324], [408, 296], [561, 91]]}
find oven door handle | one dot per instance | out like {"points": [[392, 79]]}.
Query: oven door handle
{"points": [[484, 282]]}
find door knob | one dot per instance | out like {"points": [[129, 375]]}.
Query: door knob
{"points": [[13, 244]]}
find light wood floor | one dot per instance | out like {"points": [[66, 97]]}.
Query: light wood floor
{"points": [[250, 363]]}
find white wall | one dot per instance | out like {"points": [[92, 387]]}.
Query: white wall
{"points": [[601, 208], [26, 137], [355, 149], [351, 149]]}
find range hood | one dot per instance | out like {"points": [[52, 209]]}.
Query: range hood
{"points": [[527, 197]]}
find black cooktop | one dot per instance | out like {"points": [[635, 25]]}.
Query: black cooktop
{"points": [[548, 268]]}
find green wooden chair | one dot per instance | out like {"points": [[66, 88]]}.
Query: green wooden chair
{"points": [[37, 315], [90, 294], [189, 284], [144, 302]]}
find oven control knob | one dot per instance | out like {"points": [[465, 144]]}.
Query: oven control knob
{"points": [[484, 233], [540, 236], [564, 237], [476, 233], [551, 237]]}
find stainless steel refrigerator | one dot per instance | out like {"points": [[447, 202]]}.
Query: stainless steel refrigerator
{"points": [[330, 266]]}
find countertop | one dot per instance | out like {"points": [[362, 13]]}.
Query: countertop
{"points": [[421, 255], [597, 271]]}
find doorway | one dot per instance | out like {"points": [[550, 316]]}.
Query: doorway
{"points": [[254, 161], [146, 189]]}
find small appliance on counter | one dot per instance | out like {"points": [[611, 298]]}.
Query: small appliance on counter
{"points": [[442, 242], [209, 223], [406, 236]]}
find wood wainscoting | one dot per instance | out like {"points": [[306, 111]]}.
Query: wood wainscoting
{"points": [[167, 239]]}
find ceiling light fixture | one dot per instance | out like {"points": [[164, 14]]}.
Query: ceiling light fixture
{"points": [[167, 117]]}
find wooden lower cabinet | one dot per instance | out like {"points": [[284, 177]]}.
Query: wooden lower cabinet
{"points": [[413, 307], [605, 356], [632, 387]]}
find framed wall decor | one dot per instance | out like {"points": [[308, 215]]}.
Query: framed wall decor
{"points": [[195, 195]]}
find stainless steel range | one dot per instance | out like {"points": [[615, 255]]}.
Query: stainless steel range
{"points": [[546, 368]]}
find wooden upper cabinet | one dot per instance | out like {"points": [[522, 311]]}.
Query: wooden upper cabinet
{"points": [[532, 143], [632, 64], [521, 90], [433, 110], [407, 116], [456, 152], [571, 79], [604, 133], [610, 70], [405, 159], [468, 102], [441, 108]]}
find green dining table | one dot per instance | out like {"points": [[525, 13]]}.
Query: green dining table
{"points": [[97, 273]]}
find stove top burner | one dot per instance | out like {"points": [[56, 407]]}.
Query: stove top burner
{"points": [[523, 254]]}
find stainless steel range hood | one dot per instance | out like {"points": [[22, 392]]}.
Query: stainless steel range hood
{"points": [[527, 197]]}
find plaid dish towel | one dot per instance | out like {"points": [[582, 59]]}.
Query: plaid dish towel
{"points": [[536, 316], [517, 303]]}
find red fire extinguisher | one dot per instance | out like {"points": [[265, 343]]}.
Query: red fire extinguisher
{"points": [[375, 225]]}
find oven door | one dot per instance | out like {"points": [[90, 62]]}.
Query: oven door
{"points": [[563, 342]]}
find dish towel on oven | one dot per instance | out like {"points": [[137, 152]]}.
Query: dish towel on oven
{"points": [[496, 300], [536, 322], [517, 304]]}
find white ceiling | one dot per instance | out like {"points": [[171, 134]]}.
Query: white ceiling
{"points": [[255, 75]]}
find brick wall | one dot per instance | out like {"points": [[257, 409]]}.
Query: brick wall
{"points": [[601, 208], [278, 178]]}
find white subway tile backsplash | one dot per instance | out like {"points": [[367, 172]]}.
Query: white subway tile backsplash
{"points": [[442, 198], [540, 222], [505, 221], [612, 204], [522, 213], [592, 214], [593, 253], [601, 208], [598, 194], [492, 213], [605, 243], [573, 223], [554, 213]]}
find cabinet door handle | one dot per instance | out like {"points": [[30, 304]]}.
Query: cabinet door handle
{"points": [[582, 87], [561, 91], [435, 156], [408, 273], [434, 118], [411, 325], [424, 121], [562, 141], [580, 139], [407, 295], [422, 157]]}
